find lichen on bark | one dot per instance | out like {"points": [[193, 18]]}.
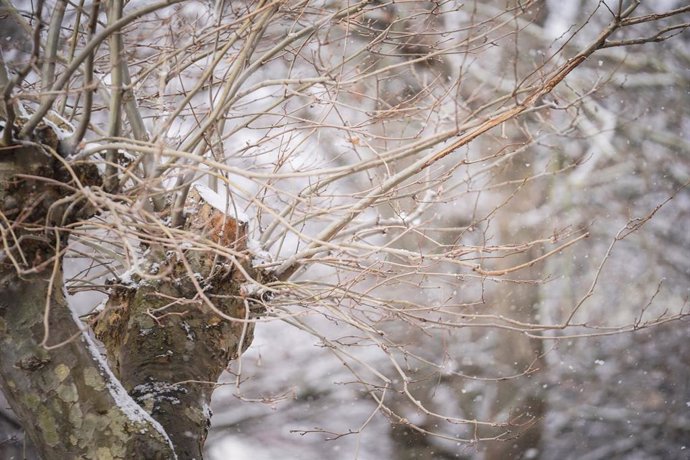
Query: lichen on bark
{"points": [[171, 327], [67, 400]]}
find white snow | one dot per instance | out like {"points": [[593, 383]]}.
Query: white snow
{"points": [[250, 288], [259, 255], [208, 413], [61, 133], [126, 277], [125, 402], [158, 391], [222, 202]]}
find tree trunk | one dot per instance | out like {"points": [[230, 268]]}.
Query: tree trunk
{"points": [[520, 402], [168, 335], [172, 330], [70, 404]]}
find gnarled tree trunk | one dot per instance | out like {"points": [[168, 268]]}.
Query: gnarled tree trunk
{"points": [[50, 372], [170, 328]]}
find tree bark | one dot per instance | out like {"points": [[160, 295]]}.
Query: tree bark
{"points": [[520, 402], [170, 334], [70, 404]]}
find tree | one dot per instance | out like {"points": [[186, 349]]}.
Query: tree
{"points": [[213, 168]]}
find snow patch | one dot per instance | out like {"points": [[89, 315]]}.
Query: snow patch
{"points": [[250, 289], [61, 133], [221, 202], [159, 392], [126, 277], [208, 413], [259, 254], [124, 401]]}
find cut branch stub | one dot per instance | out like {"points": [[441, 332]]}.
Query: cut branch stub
{"points": [[172, 328]]}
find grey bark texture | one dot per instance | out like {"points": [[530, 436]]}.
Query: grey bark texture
{"points": [[71, 407], [168, 337]]}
